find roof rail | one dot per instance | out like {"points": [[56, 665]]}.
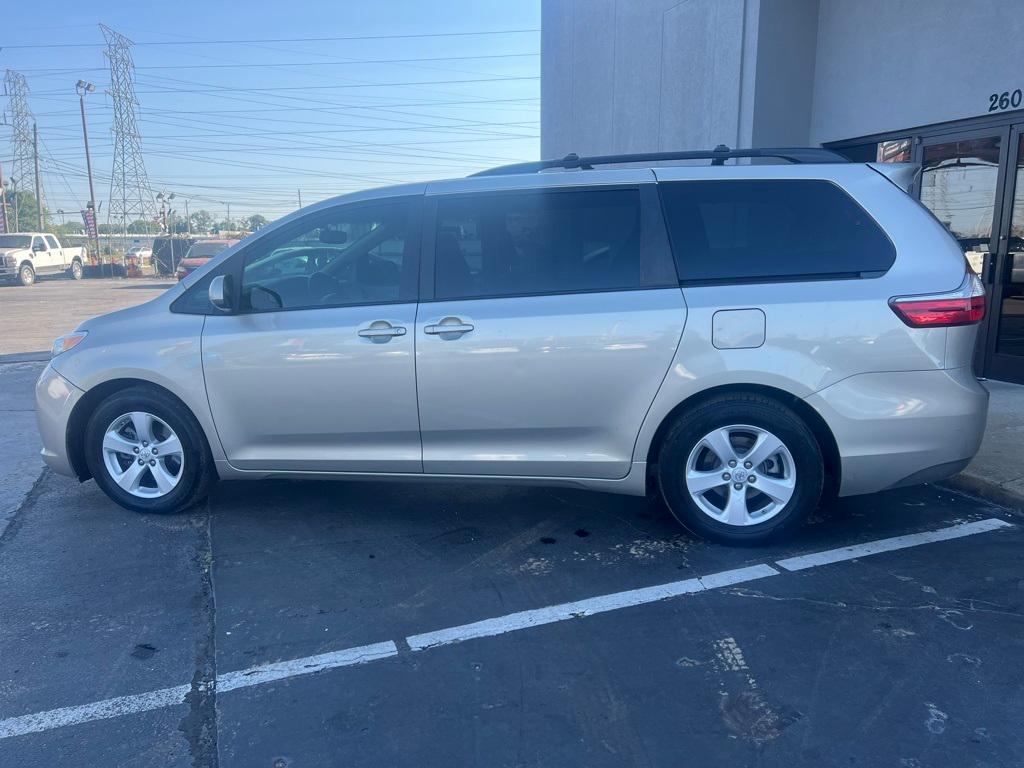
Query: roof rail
{"points": [[717, 156]]}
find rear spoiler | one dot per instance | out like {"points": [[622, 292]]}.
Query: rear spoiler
{"points": [[903, 175]]}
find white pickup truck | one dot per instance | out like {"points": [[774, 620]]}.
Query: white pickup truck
{"points": [[23, 255]]}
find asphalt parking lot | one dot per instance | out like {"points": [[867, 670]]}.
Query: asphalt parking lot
{"points": [[309, 624], [33, 316]]}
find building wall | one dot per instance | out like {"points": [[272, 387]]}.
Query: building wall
{"points": [[644, 75], [890, 64], [641, 75]]}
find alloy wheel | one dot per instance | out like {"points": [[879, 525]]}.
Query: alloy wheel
{"points": [[143, 455], [740, 475]]}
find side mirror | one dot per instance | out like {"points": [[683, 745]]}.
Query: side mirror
{"points": [[220, 292]]}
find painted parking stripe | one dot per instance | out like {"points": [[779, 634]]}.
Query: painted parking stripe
{"points": [[888, 545], [169, 697], [97, 710], [267, 673], [588, 607], [284, 670]]}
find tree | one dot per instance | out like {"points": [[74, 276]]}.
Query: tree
{"points": [[202, 221], [256, 221], [143, 227], [22, 210]]}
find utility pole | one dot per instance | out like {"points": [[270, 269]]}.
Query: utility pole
{"points": [[83, 88], [188, 220], [39, 189], [229, 214], [300, 198]]}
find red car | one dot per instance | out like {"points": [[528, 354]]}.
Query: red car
{"points": [[200, 253]]}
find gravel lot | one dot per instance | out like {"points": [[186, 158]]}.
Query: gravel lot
{"points": [[34, 316]]}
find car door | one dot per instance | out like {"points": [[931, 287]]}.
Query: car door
{"points": [[57, 259], [550, 320], [42, 259], [315, 370]]}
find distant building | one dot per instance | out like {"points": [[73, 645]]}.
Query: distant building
{"points": [[938, 82]]}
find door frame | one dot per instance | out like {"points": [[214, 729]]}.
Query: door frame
{"points": [[986, 331], [998, 365]]}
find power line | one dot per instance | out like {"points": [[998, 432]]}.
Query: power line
{"points": [[263, 65], [288, 39]]}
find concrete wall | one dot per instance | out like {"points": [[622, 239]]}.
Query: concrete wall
{"points": [[643, 75], [890, 64], [640, 75]]}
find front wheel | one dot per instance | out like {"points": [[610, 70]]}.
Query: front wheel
{"points": [[741, 469], [26, 275], [147, 452]]}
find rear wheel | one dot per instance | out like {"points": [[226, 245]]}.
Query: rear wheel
{"points": [[147, 452], [26, 275], [76, 271], [741, 469]]}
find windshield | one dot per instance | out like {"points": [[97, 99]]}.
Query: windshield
{"points": [[15, 241], [205, 250]]}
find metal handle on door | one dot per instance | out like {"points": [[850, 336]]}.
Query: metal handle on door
{"points": [[382, 332], [443, 328]]}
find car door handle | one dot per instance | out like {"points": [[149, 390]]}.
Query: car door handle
{"points": [[448, 325], [381, 330]]}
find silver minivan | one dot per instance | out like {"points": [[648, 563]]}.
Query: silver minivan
{"points": [[741, 337]]}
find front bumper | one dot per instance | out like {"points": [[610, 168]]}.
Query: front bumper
{"points": [[903, 427], [56, 398]]}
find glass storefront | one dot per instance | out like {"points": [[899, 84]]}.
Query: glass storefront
{"points": [[972, 179]]}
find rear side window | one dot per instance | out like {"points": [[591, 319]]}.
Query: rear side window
{"points": [[567, 241], [771, 230], [51, 241]]}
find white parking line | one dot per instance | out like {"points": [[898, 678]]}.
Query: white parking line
{"points": [[888, 545], [588, 607], [284, 670], [267, 673]]}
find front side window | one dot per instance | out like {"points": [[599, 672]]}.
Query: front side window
{"points": [[350, 256], [38, 244], [541, 242], [771, 230]]}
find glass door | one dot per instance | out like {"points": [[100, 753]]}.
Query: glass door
{"points": [[1004, 358]]}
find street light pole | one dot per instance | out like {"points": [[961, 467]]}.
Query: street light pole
{"points": [[83, 88], [39, 187]]}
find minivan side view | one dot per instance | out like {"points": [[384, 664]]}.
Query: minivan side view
{"points": [[741, 338]]}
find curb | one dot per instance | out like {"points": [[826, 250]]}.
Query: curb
{"points": [[986, 489]]}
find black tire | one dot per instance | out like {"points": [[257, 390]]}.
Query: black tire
{"points": [[76, 271], [746, 409], [26, 275], [197, 473]]}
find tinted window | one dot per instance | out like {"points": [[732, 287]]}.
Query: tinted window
{"points": [[352, 255], [541, 242], [51, 241], [38, 244], [751, 230]]}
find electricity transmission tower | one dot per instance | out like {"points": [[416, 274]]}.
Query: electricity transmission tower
{"points": [[23, 168], [130, 195]]}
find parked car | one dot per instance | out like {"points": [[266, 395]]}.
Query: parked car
{"points": [[199, 253], [25, 255], [141, 253], [741, 338]]}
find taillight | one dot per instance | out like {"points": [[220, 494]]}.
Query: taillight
{"points": [[964, 306]]}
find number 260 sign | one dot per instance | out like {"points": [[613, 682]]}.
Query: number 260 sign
{"points": [[997, 102]]}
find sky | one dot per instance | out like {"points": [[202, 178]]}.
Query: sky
{"points": [[237, 104]]}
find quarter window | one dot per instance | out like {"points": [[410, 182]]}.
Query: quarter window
{"points": [[542, 242], [771, 230], [353, 255]]}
